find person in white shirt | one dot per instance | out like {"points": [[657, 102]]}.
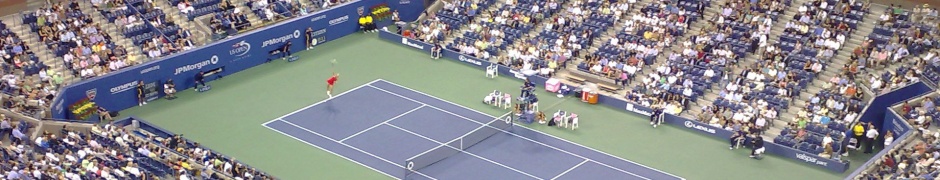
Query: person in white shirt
{"points": [[185, 7], [827, 140], [889, 138], [870, 136]]}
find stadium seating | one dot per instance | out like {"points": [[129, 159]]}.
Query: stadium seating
{"points": [[17, 55], [504, 26], [814, 36], [114, 153], [270, 11]]}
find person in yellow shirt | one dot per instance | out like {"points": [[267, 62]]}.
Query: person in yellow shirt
{"points": [[362, 24], [369, 24], [859, 131]]}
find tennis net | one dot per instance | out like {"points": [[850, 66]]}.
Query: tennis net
{"points": [[453, 147]]}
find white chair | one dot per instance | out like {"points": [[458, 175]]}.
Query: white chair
{"points": [[491, 99], [558, 117], [507, 101], [535, 106], [853, 144], [563, 120], [574, 121], [492, 71]]}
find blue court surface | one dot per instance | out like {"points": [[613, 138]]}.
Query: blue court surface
{"points": [[391, 129]]}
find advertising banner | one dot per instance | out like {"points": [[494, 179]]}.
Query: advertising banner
{"points": [[116, 91], [692, 125]]}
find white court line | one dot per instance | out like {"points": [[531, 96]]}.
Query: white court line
{"points": [[543, 144], [383, 122], [331, 152], [540, 132], [323, 101], [357, 149], [569, 170], [461, 150]]}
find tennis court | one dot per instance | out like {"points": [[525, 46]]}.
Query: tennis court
{"points": [[391, 129]]}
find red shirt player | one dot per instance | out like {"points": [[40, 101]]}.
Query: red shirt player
{"points": [[329, 84]]}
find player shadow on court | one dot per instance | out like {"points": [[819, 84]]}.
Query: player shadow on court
{"points": [[331, 109]]}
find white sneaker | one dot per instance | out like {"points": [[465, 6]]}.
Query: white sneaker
{"points": [[654, 126], [140, 104], [731, 148], [145, 102]]}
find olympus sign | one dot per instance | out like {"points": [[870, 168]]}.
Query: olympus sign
{"points": [[339, 20], [281, 39], [124, 87], [471, 61], [198, 65], [690, 124]]}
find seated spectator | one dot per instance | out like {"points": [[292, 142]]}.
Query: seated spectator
{"points": [[185, 7]]}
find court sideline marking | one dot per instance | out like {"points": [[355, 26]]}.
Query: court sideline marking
{"points": [[322, 101], [355, 148], [540, 132], [331, 152], [569, 170], [383, 122], [324, 149], [537, 142], [461, 150]]}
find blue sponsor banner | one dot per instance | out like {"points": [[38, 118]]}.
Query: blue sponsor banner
{"points": [[772, 148], [116, 91], [895, 123], [408, 10]]}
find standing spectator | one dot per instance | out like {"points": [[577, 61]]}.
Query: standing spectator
{"points": [[870, 137], [141, 99], [859, 131], [311, 41]]}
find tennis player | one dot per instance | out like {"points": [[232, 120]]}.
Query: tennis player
{"points": [[329, 84]]}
